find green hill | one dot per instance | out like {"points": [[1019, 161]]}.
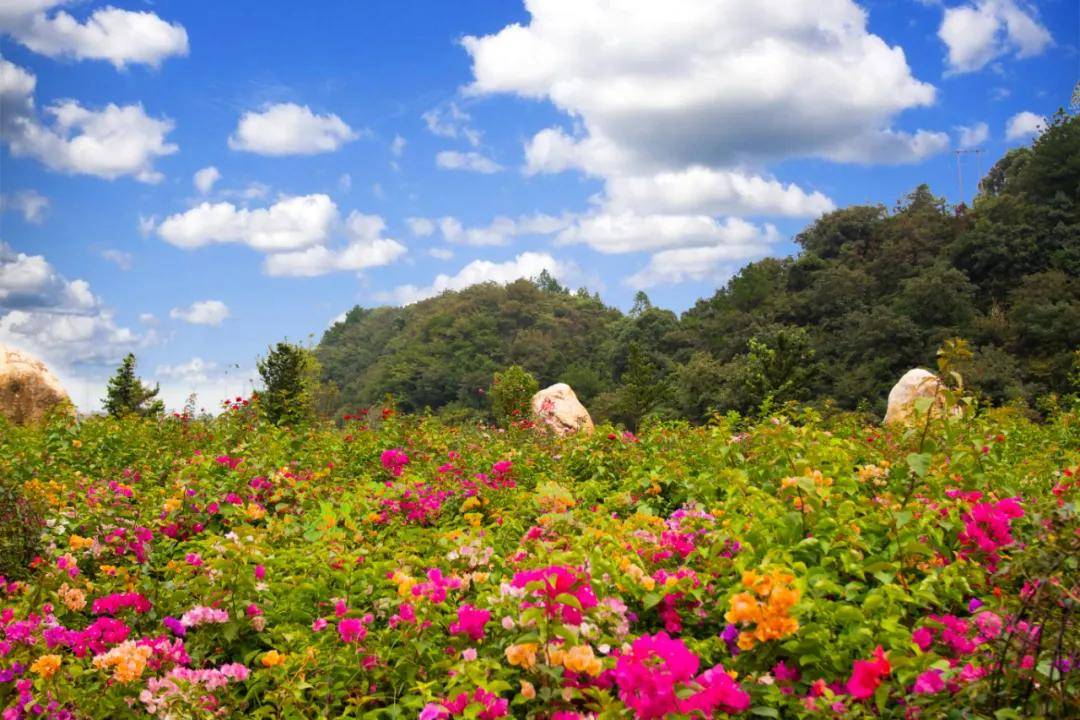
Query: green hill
{"points": [[871, 293]]}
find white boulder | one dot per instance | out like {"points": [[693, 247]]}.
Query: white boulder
{"points": [[558, 408]]}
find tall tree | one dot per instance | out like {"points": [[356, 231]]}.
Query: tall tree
{"points": [[290, 375], [126, 394]]}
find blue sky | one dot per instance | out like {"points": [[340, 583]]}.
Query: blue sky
{"points": [[378, 152]]}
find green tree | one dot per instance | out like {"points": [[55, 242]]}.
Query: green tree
{"points": [[641, 390], [290, 375], [126, 394], [511, 393]]}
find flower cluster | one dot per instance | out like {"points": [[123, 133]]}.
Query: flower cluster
{"points": [[766, 607]]}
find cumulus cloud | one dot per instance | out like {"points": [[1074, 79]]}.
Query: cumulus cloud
{"points": [[708, 262], [31, 204], [977, 33], [120, 37], [699, 189], [289, 224], [202, 312], [629, 232], [365, 248], [498, 232], [450, 121], [1023, 125], [474, 161], [677, 107], [54, 318], [204, 179], [397, 147], [290, 129], [712, 83], [108, 143], [525, 265], [441, 253], [295, 232], [969, 136]]}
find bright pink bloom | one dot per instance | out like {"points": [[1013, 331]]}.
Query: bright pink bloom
{"points": [[551, 582], [352, 630], [471, 621], [923, 637], [395, 461], [928, 683], [868, 674]]}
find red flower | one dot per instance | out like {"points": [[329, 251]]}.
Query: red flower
{"points": [[868, 674]]}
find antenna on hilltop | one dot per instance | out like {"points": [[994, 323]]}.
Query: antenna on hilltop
{"points": [[977, 152]]}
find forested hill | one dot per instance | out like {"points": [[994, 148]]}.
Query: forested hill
{"points": [[871, 293]]}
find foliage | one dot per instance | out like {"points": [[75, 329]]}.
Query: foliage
{"points": [[871, 294], [291, 384], [511, 393], [127, 395], [399, 566]]}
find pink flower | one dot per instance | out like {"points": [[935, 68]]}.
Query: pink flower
{"points": [[471, 621], [866, 675], [657, 678], [318, 624], [395, 461], [260, 572], [923, 637], [547, 584], [203, 615], [352, 630], [112, 604], [928, 683], [468, 654]]}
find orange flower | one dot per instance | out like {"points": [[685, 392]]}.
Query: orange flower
{"points": [[523, 654], [580, 659], [272, 659], [744, 609], [46, 665], [527, 690], [128, 658]]}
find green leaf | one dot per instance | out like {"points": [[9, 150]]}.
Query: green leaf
{"points": [[919, 463], [763, 711]]}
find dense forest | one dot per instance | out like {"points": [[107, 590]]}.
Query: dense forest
{"points": [[870, 294]]}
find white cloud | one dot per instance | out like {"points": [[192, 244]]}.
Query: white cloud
{"points": [[673, 84], [204, 179], [525, 265], [709, 262], [397, 147], [289, 224], [147, 318], [970, 136], [208, 381], [678, 106], [56, 319], [474, 161], [441, 253], [420, 227], [31, 204], [979, 32], [147, 225], [202, 312], [1024, 124], [117, 36], [107, 143], [365, 248], [628, 232], [700, 189], [122, 259], [450, 121], [290, 129], [345, 182], [502, 229]]}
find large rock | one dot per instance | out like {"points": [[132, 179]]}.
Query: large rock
{"points": [[558, 407], [28, 391], [916, 383]]}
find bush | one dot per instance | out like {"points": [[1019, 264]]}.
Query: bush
{"points": [[511, 394], [20, 531]]}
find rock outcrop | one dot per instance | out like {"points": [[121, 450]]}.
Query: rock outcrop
{"points": [[916, 383], [558, 408], [28, 391]]}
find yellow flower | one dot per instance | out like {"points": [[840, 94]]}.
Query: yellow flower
{"points": [[474, 518], [46, 665], [272, 659], [471, 503], [172, 504], [255, 512], [523, 654]]}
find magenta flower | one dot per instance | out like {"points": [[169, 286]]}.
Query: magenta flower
{"points": [[866, 675], [352, 630], [471, 621], [547, 584], [928, 683], [395, 461]]}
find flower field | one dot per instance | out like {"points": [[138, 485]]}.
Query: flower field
{"points": [[401, 567]]}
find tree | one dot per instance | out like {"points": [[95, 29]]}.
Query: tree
{"points": [[641, 390], [511, 394], [126, 394], [290, 375]]}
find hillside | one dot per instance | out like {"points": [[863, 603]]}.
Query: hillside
{"points": [[871, 293]]}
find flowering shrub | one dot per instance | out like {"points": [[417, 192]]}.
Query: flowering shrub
{"points": [[401, 567]]}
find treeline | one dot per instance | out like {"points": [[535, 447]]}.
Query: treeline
{"points": [[870, 294]]}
